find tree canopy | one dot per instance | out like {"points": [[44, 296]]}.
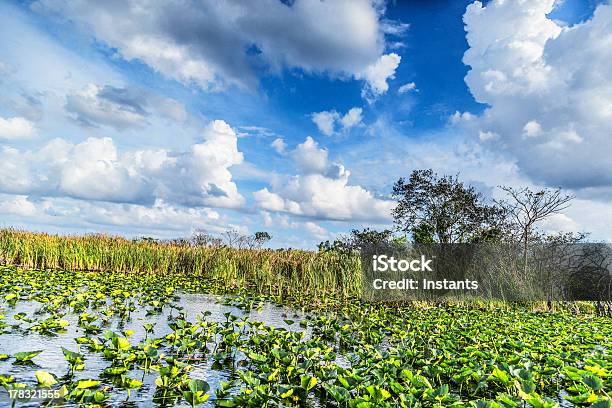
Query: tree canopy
{"points": [[444, 210]]}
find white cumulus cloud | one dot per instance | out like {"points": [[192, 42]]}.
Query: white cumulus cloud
{"points": [[545, 84], [321, 191], [309, 158], [16, 128], [330, 122], [208, 43], [377, 74], [352, 118], [325, 121], [94, 169]]}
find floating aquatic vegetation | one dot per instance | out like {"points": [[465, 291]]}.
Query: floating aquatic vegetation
{"points": [[350, 355]]}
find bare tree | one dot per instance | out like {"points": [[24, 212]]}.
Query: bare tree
{"points": [[526, 208], [235, 239], [202, 238]]}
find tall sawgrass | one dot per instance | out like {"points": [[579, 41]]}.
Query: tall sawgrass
{"points": [[275, 272]]}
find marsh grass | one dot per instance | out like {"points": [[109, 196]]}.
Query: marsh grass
{"points": [[287, 272], [318, 279]]}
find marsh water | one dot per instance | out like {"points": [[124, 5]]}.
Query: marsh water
{"points": [[17, 339], [52, 360]]}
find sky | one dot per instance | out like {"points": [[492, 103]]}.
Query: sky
{"points": [[142, 118]]}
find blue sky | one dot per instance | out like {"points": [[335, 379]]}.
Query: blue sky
{"points": [[295, 118]]}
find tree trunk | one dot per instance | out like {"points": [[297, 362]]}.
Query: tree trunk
{"points": [[604, 308], [525, 243]]}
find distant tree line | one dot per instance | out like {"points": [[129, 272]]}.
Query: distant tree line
{"points": [[434, 209], [443, 209], [230, 238]]}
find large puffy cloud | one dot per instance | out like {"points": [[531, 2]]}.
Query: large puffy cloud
{"points": [[213, 44], [550, 101], [202, 176], [324, 198], [95, 170], [506, 47], [92, 170], [321, 191], [89, 170]]}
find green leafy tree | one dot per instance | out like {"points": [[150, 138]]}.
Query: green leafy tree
{"points": [[443, 209], [261, 238]]}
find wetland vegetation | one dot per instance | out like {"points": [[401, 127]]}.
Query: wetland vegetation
{"points": [[104, 338]]}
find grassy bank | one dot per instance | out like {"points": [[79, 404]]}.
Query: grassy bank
{"points": [[274, 272], [319, 279]]}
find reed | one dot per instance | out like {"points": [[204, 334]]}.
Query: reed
{"points": [[287, 272]]}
